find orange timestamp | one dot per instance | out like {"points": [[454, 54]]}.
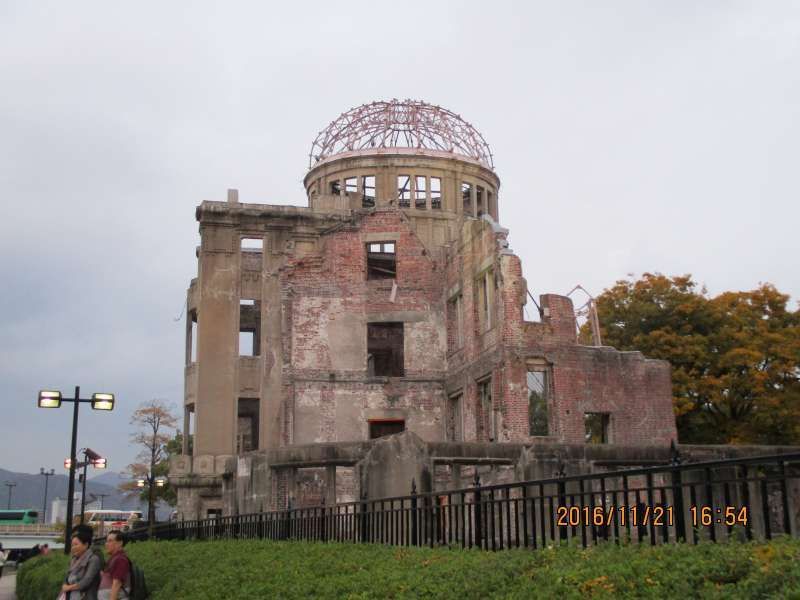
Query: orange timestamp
{"points": [[707, 516], [634, 515]]}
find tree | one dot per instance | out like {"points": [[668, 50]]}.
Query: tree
{"points": [[153, 418], [735, 357]]}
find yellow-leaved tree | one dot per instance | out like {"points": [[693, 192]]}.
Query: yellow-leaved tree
{"points": [[735, 357]]}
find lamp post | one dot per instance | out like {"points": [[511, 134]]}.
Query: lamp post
{"points": [[47, 475], [152, 483], [90, 457], [10, 485], [102, 497], [53, 399]]}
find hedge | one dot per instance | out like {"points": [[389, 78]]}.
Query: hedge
{"points": [[262, 569]]}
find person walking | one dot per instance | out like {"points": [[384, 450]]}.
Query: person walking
{"points": [[115, 582], [83, 576], [2, 560]]}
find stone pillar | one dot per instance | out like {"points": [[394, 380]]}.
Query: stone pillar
{"points": [[389, 467], [330, 485], [217, 338], [271, 408]]}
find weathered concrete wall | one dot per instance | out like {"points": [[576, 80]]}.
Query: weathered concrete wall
{"points": [[635, 392], [459, 294], [341, 472], [393, 463]]}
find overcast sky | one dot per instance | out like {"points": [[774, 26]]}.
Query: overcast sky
{"points": [[628, 136]]}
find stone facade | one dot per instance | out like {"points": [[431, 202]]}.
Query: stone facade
{"points": [[391, 303]]}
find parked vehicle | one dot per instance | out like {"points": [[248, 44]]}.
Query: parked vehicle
{"points": [[22, 516], [104, 521]]}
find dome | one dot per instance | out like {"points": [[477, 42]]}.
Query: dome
{"points": [[400, 124]]}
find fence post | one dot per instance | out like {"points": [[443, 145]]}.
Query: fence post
{"points": [[288, 521], [363, 517], [677, 492], [414, 535], [562, 500], [323, 524], [478, 512]]}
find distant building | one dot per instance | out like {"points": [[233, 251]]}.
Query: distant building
{"points": [[58, 508]]}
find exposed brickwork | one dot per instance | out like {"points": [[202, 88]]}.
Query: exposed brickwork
{"points": [[458, 296]]}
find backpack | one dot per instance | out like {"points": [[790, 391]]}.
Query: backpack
{"points": [[99, 554], [138, 589]]}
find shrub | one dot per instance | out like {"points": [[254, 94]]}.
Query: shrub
{"points": [[262, 569]]}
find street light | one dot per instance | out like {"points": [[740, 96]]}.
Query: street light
{"points": [[90, 457], [53, 399], [152, 483], [47, 476], [10, 485], [158, 482]]}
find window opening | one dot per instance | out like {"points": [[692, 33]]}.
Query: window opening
{"points": [[485, 300], [247, 426], [381, 260], [436, 193], [214, 513], [597, 428], [351, 185], [489, 205], [404, 190], [187, 447], [487, 422], [420, 192], [466, 196], [336, 188], [249, 327], [368, 191], [382, 428], [385, 350], [193, 338], [252, 244], [247, 343], [453, 433], [455, 323], [479, 200], [538, 399]]}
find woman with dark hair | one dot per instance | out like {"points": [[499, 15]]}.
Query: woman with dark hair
{"points": [[83, 576]]}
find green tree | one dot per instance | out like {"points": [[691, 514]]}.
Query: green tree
{"points": [[735, 357]]}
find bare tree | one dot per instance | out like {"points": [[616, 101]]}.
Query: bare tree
{"points": [[152, 419]]}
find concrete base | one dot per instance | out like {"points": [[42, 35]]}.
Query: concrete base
{"points": [[312, 474]]}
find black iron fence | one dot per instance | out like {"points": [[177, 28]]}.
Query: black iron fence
{"points": [[752, 498]]}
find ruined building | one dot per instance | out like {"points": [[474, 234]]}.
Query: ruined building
{"points": [[391, 303]]}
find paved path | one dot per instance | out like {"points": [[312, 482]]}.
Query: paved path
{"points": [[8, 584]]}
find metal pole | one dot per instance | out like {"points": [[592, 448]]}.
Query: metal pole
{"points": [[44, 502], [73, 461], [10, 485], [83, 489], [151, 512]]}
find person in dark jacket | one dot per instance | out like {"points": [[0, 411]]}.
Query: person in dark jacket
{"points": [[83, 577]]}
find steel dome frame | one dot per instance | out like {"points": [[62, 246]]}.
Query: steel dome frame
{"points": [[400, 124]]}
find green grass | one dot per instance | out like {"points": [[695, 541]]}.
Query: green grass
{"points": [[256, 569]]}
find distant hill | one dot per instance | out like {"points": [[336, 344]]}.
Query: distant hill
{"points": [[109, 478], [29, 491]]}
